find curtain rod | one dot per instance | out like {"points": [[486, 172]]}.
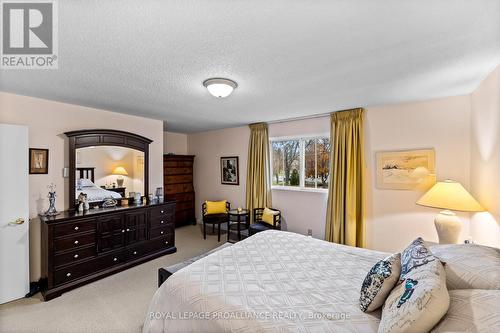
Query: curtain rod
{"points": [[299, 118], [320, 115]]}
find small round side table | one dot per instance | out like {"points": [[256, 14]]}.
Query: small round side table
{"points": [[237, 218]]}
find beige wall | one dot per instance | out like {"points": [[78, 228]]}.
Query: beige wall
{"points": [[47, 122], [393, 218], [175, 143], [485, 167], [209, 147]]}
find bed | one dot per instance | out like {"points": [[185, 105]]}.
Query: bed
{"points": [[85, 184], [274, 281]]}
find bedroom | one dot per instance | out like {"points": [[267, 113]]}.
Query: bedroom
{"points": [[426, 75]]}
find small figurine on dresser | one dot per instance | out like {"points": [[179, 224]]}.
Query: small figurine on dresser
{"points": [[83, 204], [52, 200]]}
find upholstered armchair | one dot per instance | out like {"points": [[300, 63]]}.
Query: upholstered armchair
{"points": [[260, 225], [214, 219]]}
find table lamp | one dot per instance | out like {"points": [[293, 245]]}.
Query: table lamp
{"points": [[450, 196], [120, 171]]}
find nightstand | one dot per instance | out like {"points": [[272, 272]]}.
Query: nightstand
{"points": [[119, 190]]}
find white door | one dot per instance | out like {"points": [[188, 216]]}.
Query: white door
{"points": [[14, 213]]}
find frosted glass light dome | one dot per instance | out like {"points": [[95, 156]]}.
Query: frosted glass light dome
{"points": [[219, 87]]}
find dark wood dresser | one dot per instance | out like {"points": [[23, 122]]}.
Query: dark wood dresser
{"points": [[178, 184], [78, 248]]}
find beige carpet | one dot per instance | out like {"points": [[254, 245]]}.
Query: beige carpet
{"points": [[117, 303]]}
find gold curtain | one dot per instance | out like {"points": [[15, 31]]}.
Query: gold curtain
{"points": [[258, 179], [345, 220]]}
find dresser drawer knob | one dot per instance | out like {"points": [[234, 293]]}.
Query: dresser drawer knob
{"points": [[128, 230], [68, 274], [166, 242], [162, 212], [161, 232], [123, 230], [75, 256], [161, 222], [76, 242], [76, 228], [115, 259], [135, 252]]}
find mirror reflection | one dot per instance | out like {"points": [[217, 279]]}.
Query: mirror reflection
{"points": [[109, 172]]}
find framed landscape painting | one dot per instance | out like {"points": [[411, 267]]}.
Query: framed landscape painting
{"points": [[229, 170], [405, 170], [38, 161]]}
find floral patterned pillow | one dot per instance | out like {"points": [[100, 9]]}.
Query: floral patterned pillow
{"points": [[415, 255], [379, 282]]}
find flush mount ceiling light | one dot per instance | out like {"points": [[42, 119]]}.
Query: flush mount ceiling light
{"points": [[219, 87]]}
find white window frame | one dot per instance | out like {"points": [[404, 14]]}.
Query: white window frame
{"points": [[302, 139]]}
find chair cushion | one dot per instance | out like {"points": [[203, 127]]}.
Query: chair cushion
{"points": [[379, 282], [260, 226], [268, 216], [421, 299], [215, 218], [216, 207], [469, 266]]}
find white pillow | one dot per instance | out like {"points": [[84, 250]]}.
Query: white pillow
{"points": [[472, 310], [421, 299], [470, 266], [82, 182], [379, 282]]}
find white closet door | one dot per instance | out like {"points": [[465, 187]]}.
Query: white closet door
{"points": [[14, 213]]}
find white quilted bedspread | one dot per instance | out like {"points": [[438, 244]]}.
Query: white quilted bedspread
{"points": [[274, 281]]}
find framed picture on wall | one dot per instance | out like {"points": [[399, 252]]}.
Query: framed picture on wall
{"points": [[229, 170], [39, 161], [406, 170]]}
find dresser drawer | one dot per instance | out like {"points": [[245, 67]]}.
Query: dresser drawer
{"points": [[179, 188], [162, 231], [162, 211], [74, 242], [73, 257], [184, 205], [178, 179], [179, 171], [178, 163], [181, 197], [66, 229], [74, 272], [160, 243], [160, 221]]}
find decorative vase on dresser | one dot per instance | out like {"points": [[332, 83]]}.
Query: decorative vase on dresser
{"points": [[178, 184]]}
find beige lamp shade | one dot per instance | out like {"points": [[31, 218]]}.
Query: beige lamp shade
{"points": [[450, 195], [120, 171]]}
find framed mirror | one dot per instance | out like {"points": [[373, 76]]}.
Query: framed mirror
{"points": [[107, 164]]}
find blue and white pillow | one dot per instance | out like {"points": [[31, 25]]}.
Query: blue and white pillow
{"points": [[415, 255], [379, 282]]}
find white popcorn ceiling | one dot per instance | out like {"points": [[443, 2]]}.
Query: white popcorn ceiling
{"points": [[290, 58]]}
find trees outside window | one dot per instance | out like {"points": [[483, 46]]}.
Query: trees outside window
{"points": [[301, 162]]}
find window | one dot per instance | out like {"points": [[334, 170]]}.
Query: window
{"points": [[300, 162]]}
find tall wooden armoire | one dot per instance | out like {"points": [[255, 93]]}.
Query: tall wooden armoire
{"points": [[178, 185]]}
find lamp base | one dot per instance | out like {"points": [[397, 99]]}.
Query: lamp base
{"points": [[448, 227], [119, 181]]}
